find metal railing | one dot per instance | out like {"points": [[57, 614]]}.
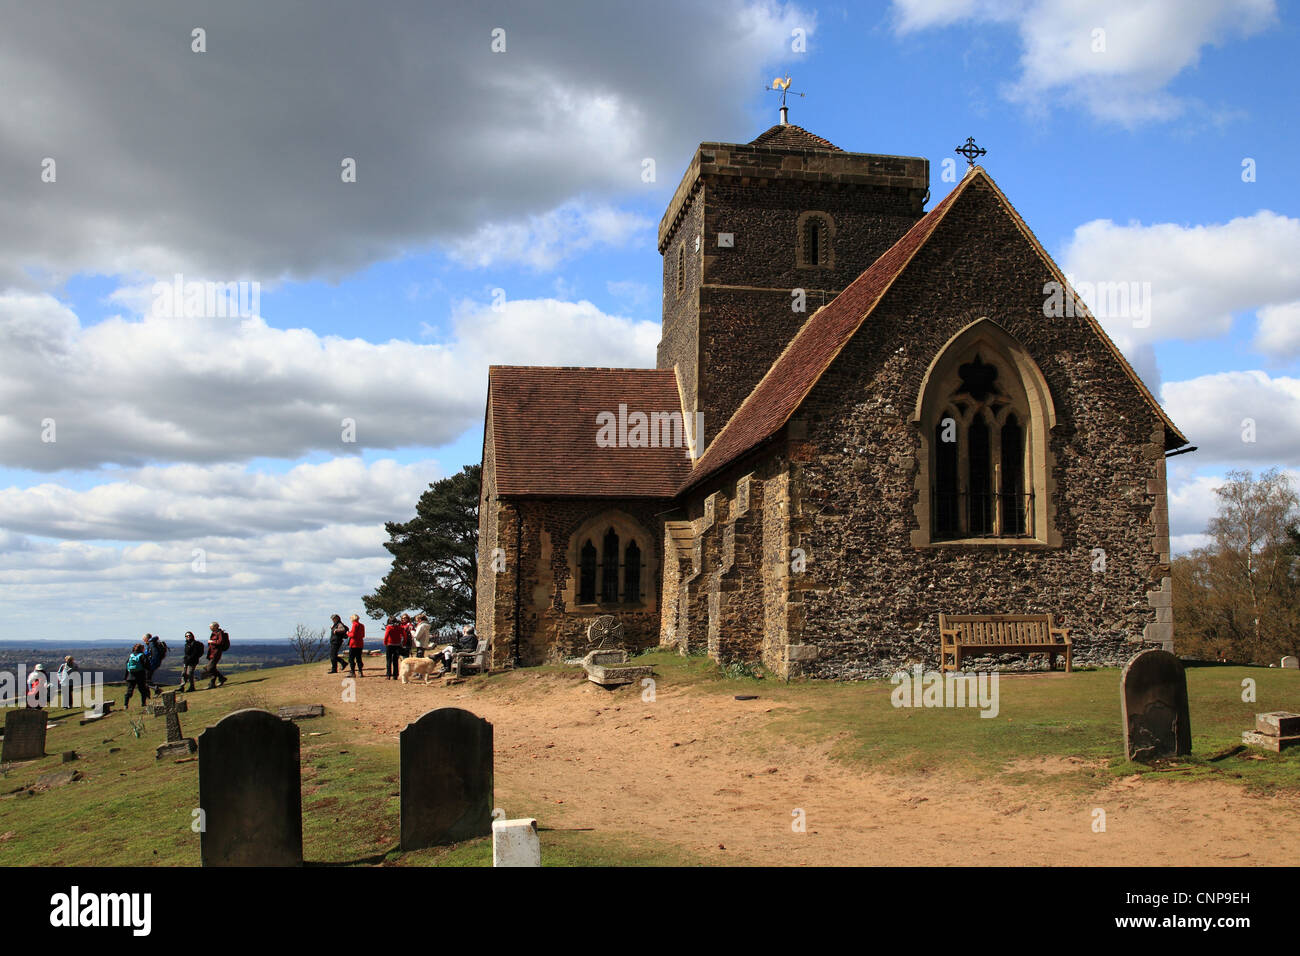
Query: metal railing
{"points": [[963, 514]]}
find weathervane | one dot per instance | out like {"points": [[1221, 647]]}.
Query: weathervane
{"points": [[783, 87], [970, 150]]}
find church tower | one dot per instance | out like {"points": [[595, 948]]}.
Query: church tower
{"points": [[757, 237]]}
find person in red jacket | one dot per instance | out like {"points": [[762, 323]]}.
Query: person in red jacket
{"points": [[356, 641], [394, 642]]}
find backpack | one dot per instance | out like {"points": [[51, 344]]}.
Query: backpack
{"points": [[162, 652], [225, 642]]}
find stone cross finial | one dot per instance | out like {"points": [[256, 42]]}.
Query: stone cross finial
{"points": [[970, 150]]}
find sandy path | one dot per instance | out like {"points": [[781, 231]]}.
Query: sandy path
{"points": [[687, 769]]}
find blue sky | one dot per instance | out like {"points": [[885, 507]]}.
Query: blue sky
{"points": [[218, 437]]}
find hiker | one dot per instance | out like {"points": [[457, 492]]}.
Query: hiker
{"points": [[393, 638], [66, 670], [36, 686], [420, 636], [155, 651], [338, 634], [218, 644], [356, 641], [192, 653], [137, 676], [407, 627]]}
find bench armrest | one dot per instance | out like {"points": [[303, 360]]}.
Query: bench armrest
{"points": [[1063, 631]]}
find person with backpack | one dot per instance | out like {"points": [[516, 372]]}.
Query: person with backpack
{"points": [[356, 642], [218, 644], [393, 638], [191, 654], [338, 634], [155, 651], [137, 676]]}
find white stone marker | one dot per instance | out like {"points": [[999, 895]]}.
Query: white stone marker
{"points": [[1290, 662], [515, 843]]}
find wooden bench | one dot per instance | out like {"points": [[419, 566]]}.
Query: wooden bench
{"points": [[1021, 633], [476, 659]]}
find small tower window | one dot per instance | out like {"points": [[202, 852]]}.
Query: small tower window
{"points": [[681, 269], [816, 241]]}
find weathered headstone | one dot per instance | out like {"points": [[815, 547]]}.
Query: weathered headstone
{"points": [[250, 791], [1291, 662], [302, 711], [1153, 694], [178, 745], [446, 778], [24, 737], [515, 843]]}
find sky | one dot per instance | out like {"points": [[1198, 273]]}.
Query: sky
{"points": [[414, 191]]}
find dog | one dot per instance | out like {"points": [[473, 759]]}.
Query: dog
{"points": [[415, 666]]}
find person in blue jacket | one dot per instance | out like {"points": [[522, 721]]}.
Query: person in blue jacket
{"points": [[137, 676]]}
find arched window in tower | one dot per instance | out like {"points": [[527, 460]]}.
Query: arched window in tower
{"points": [[587, 574], [609, 568], [816, 237], [632, 573], [985, 472]]}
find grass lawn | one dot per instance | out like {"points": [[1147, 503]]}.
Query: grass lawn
{"points": [[133, 810]]}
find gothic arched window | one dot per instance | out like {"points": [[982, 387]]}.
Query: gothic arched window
{"points": [[611, 565], [984, 412]]}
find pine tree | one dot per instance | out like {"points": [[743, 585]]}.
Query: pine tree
{"points": [[435, 555]]}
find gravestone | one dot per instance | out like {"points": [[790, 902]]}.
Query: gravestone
{"points": [[446, 778], [1291, 662], [302, 711], [24, 737], [605, 633], [250, 791], [515, 843], [1153, 695], [177, 743]]}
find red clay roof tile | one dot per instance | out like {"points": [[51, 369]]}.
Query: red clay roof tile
{"points": [[544, 423]]}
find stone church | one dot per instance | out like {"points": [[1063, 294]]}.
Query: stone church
{"points": [[863, 415]]}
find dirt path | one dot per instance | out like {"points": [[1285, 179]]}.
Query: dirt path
{"points": [[687, 770]]}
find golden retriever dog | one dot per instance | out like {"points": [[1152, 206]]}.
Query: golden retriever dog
{"points": [[414, 667]]}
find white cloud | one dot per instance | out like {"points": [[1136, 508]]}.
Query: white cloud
{"points": [[1199, 276], [227, 163], [1278, 333], [184, 502], [1222, 412], [130, 391], [1145, 46], [543, 242]]}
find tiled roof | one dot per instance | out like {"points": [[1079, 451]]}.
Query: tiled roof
{"points": [[770, 405], [793, 136], [779, 393], [544, 423]]}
